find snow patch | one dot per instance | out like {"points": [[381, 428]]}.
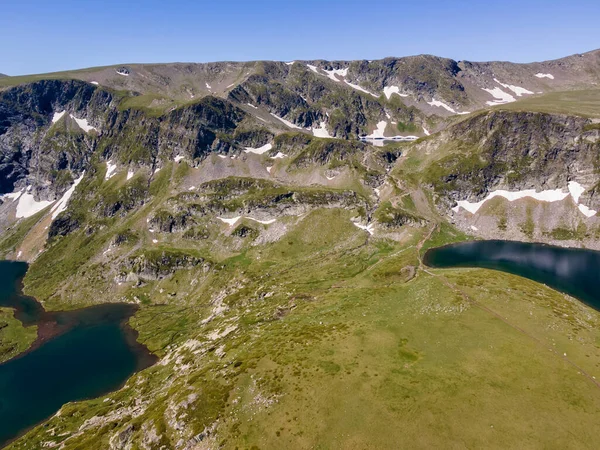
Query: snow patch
{"points": [[154, 241], [252, 106], [332, 73], [519, 91], [545, 75], [28, 206], [553, 195], [130, 174], [83, 124], [94, 82], [378, 132], [500, 96], [19, 254], [279, 155], [321, 131], [586, 211], [208, 86], [122, 73], [222, 156], [269, 169], [231, 221], [389, 90], [290, 63], [12, 196], [426, 131], [259, 150], [474, 228], [370, 228], [358, 88], [441, 104], [57, 116], [178, 158], [287, 122], [264, 222], [313, 68], [110, 169], [575, 189], [64, 200]]}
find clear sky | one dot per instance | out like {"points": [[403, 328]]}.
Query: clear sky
{"points": [[51, 35]]}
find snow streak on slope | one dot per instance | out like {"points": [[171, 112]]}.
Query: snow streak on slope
{"points": [[287, 122], [500, 96], [441, 104], [259, 150], [63, 202], [389, 90]]}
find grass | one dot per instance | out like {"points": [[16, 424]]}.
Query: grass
{"points": [[332, 345], [14, 337], [584, 103]]}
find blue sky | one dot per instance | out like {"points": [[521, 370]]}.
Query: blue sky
{"points": [[50, 35]]}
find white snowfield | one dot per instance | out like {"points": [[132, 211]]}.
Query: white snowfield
{"points": [[259, 150], [178, 158], [313, 68], [358, 88], [232, 221], [61, 205], [378, 132], [321, 131], [290, 63], [519, 91], [545, 75], [110, 169], [57, 116], [575, 189], [554, 195], [369, 228], [441, 104], [83, 124], [130, 174], [287, 122], [500, 96], [389, 90], [264, 222], [27, 205], [378, 135], [332, 73]]}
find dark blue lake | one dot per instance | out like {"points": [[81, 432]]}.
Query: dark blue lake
{"points": [[573, 271], [78, 355]]}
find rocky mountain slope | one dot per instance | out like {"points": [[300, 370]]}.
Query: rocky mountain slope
{"points": [[276, 256]]}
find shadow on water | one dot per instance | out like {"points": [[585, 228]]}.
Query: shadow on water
{"points": [[570, 270], [77, 355]]}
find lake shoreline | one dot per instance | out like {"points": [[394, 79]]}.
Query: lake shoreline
{"points": [[61, 330]]}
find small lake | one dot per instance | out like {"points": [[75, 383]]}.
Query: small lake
{"points": [[77, 355], [573, 271]]}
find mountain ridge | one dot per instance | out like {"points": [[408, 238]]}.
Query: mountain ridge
{"points": [[273, 241]]}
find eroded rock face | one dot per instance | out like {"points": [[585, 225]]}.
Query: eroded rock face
{"points": [[157, 264], [514, 151]]}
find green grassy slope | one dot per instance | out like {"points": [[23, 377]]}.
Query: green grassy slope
{"points": [[334, 339]]}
